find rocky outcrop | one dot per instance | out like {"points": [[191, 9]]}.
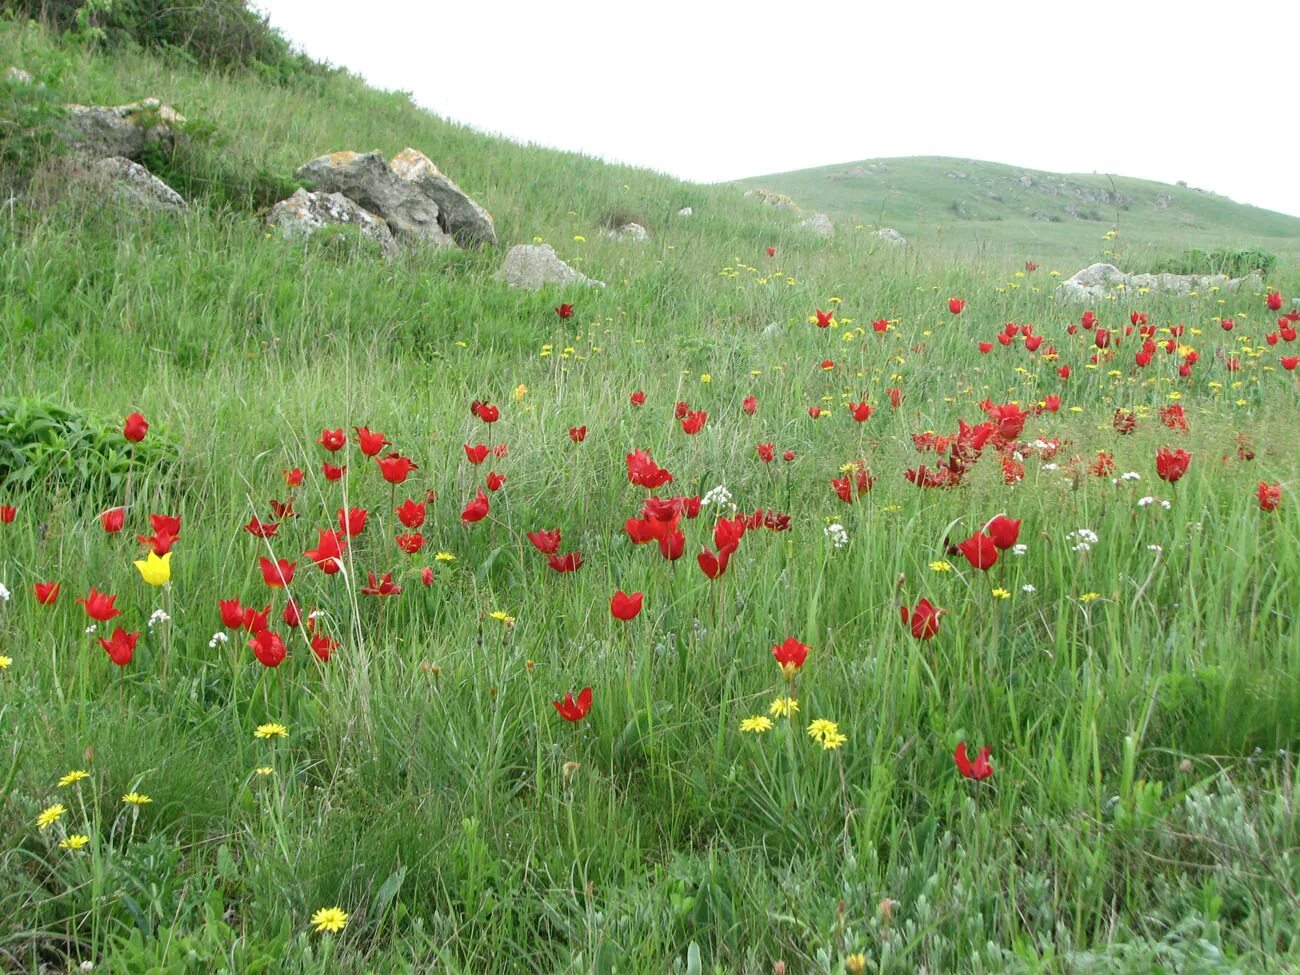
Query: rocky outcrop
{"points": [[778, 200], [534, 265], [305, 212], [122, 130], [819, 224], [892, 237], [366, 179], [468, 224], [628, 231], [1099, 280], [114, 179]]}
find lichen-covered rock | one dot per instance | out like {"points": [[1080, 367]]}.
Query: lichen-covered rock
{"points": [[305, 212], [819, 224], [628, 231], [122, 130], [892, 237], [366, 179], [134, 185], [685, 212], [1096, 281], [468, 223], [534, 265], [772, 199], [99, 182], [17, 76]]}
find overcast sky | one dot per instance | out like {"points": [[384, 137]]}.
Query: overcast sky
{"points": [[709, 91]]}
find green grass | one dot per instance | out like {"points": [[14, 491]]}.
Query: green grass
{"points": [[1141, 815], [985, 209]]}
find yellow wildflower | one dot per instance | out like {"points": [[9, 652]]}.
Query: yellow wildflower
{"points": [[941, 565], [136, 799], [50, 815], [271, 730], [73, 777], [331, 919], [784, 707], [74, 842], [154, 569], [757, 724]]}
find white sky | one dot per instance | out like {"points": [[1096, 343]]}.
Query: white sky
{"points": [[1199, 91]]}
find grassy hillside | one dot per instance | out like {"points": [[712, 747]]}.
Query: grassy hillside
{"points": [[410, 769], [972, 206]]}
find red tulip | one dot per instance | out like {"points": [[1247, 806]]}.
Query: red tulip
{"points": [[48, 592], [1289, 362], [645, 472], [824, 318], [332, 440], [323, 646], [1004, 531], [987, 347], [861, 411], [625, 607], [120, 646], [571, 710], [160, 542], [268, 648], [694, 421], [333, 473], [256, 620], [261, 529], [426, 575], [571, 562], [485, 411], [979, 770], [232, 614], [637, 398], [895, 398], [112, 520], [7, 514], [923, 619], [564, 311], [1273, 300], [771, 252], [292, 615], [495, 480], [788, 456], [99, 606], [476, 454], [672, 544], [546, 542], [955, 305], [1088, 319], [370, 442], [411, 513], [381, 587], [1063, 372], [578, 434], [328, 553], [1171, 464], [1270, 496], [1226, 324], [135, 428], [352, 521], [293, 478], [477, 509], [814, 412], [714, 566], [980, 550], [790, 655], [766, 452], [410, 543], [750, 405], [880, 326], [277, 574], [395, 468]]}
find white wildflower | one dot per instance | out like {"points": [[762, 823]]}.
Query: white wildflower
{"points": [[159, 616], [718, 495], [836, 533], [1144, 502], [217, 640], [1051, 467], [1020, 549], [4, 593], [1027, 588], [1130, 476], [1155, 548]]}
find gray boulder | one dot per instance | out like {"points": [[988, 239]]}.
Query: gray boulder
{"points": [[305, 212], [122, 130], [17, 76], [458, 215], [892, 237], [628, 231], [132, 184], [685, 212], [819, 224], [366, 179], [1096, 281], [534, 265]]}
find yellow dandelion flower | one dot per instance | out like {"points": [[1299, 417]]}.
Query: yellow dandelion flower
{"points": [[822, 729], [444, 557], [1088, 597], [331, 919], [520, 392], [758, 724], [501, 617], [74, 842], [136, 799], [264, 770], [1000, 593], [73, 777], [833, 741], [705, 377], [271, 730], [941, 565], [579, 239], [783, 707], [5, 661], [539, 240], [50, 815]]}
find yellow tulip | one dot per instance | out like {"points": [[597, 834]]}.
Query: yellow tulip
{"points": [[154, 570]]}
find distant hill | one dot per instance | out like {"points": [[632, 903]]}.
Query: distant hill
{"points": [[1000, 208]]}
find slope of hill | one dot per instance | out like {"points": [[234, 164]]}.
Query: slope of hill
{"points": [[966, 203]]}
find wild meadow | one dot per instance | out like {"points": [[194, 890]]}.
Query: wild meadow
{"points": [[784, 606]]}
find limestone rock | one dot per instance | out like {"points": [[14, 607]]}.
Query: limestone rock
{"points": [[685, 212], [819, 224], [778, 200], [17, 76], [100, 182], [1098, 280], [892, 237], [628, 231], [469, 224], [122, 130], [366, 179], [134, 185], [533, 265], [305, 212]]}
